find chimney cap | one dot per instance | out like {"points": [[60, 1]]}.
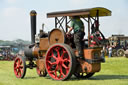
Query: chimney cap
{"points": [[33, 12]]}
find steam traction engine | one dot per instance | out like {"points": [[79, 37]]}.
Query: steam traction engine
{"points": [[55, 54]]}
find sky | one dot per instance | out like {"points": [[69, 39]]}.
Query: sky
{"points": [[15, 16]]}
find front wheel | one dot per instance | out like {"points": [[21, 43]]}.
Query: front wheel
{"points": [[60, 62], [20, 67]]}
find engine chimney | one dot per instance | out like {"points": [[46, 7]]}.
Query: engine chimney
{"points": [[33, 25]]}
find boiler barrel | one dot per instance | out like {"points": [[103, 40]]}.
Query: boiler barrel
{"points": [[31, 52], [28, 52]]}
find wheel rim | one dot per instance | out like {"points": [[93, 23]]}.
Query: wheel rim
{"points": [[58, 62], [18, 67]]}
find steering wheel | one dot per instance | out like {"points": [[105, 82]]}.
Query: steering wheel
{"points": [[95, 38], [70, 40]]}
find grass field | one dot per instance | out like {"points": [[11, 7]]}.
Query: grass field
{"points": [[113, 72]]}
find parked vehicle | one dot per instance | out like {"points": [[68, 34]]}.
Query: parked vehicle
{"points": [[119, 44]]}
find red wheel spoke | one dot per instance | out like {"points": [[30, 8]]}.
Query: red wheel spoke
{"points": [[57, 48], [56, 71], [56, 68], [54, 63], [55, 74], [20, 73], [60, 75], [49, 56], [58, 53], [51, 72], [21, 67], [20, 62], [62, 56], [49, 62], [66, 60], [49, 67], [16, 72], [61, 72], [16, 63], [65, 66], [21, 70], [53, 55], [17, 67]]}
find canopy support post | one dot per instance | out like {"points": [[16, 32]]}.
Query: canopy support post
{"points": [[88, 31]]}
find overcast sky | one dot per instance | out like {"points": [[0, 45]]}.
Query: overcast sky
{"points": [[15, 19]]}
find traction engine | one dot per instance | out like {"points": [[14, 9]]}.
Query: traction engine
{"points": [[54, 53]]}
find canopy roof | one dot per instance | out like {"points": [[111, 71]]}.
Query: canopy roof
{"points": [[81, 12]]}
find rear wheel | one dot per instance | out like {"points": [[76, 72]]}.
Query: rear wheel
{"points": [[84, 75], [60, 62], [20, 67]]}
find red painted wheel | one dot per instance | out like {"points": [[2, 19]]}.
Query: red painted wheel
{"points": [[41, 73], [84, 75], [60, 62], [19, 67]]}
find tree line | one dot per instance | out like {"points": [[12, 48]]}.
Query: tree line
{"points": [[14, 42]]}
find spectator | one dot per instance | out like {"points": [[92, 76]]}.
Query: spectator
{"points": [[110, 51]]}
